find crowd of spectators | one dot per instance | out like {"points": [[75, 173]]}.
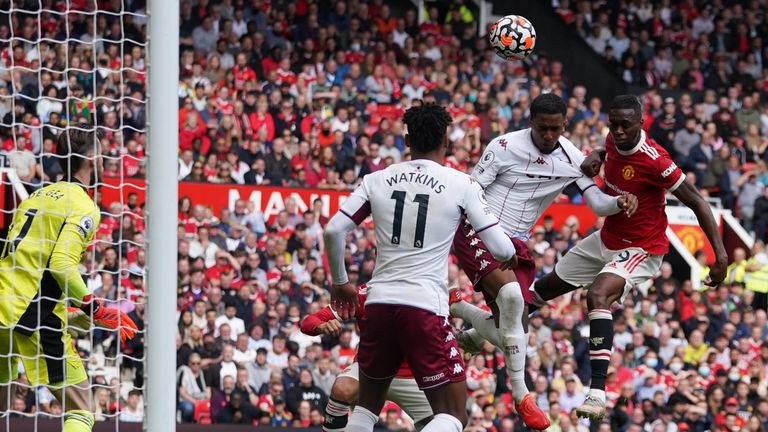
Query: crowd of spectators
{"points": [[310, 94], [702, 66]]}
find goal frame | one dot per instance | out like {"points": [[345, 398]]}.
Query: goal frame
{"points": [[162, 216]]}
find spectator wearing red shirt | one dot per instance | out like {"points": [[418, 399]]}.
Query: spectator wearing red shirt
{"points": [[384, 21], [242, 72], [262, 119]]}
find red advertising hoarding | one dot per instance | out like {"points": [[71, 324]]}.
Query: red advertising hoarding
{"points": [[270, 199]]}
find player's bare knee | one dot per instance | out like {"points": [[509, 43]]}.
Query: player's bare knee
{"points": [[345, 390], [606, 289], [496, 280], [597, 298]]}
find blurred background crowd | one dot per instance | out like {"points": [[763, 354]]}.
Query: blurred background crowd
{"points": [[309, 94]]}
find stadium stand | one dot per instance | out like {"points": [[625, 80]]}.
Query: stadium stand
{"points": [[308, 94]]}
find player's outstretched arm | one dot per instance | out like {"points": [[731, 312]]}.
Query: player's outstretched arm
{"points": [[353, 212], [63, 265], [322, 322], [689, 196], [343, 293], [486, 224], [605, 205]]}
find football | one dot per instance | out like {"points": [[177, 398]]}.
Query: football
{"points": [[512, 37]]}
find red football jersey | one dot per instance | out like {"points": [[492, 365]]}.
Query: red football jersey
{"points": [[646, 171]]}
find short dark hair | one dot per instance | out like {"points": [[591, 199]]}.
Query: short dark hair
{"points": [[548, 103], [627, 101], [71, 147], [427, 126]]}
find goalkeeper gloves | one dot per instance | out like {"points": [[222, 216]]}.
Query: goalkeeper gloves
{"points": [[110, 318]]}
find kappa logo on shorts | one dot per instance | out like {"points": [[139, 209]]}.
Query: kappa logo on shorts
{"points": [[433, 378], [470, 233], [449, 337], [484, 264], [457, 369], [453, 353], [479, 252], [474, 241], [512, 349]]}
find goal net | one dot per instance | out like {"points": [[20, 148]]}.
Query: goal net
{"points": [[65, 66]]}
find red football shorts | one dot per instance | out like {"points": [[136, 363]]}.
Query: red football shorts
{"points": [[426, 341], [476, 261]]}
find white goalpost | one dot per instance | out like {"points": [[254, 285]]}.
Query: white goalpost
{"points": [[162, 199]]}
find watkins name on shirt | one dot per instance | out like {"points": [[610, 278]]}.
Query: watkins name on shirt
{"points": [[413, 177]]}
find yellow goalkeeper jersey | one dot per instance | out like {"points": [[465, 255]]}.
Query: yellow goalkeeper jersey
{"points": [[50, 232]]}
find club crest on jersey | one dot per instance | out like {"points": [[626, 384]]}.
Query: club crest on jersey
{"points": [[628, 172]]}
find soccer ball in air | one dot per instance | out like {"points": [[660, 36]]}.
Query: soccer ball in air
{"points": [[512, 37]]}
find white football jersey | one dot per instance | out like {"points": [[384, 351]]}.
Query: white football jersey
{"points": [[416, 208], [521, 182]]}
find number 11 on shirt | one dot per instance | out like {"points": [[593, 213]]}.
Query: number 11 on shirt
{"points": [[421, 219]]}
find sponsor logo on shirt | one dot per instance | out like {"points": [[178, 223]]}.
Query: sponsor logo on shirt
{"points": [[615, 188], [669, 170], [628, 172]]}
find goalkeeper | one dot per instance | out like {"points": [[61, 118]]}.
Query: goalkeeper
{"points": [[51, 230]]}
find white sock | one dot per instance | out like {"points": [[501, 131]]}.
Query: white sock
{"points": [[599, 394], [482, 322], [441, 423], [361, 420], [515, 341]]}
